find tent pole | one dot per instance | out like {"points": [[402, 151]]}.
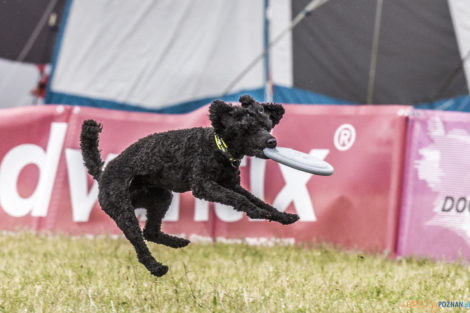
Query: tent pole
{"points": [[374, 52], [268, 83], [306, 11]]}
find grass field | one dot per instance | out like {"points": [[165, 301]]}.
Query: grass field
{"points": [[51, 273]]}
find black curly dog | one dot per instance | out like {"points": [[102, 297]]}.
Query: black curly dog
{"points": [[203, 160]]}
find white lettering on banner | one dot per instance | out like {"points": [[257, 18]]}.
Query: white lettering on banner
{"points": [[201, 210], [257, 174], [82, 200], [47, 162], [227, 213], [173, 213], [296, 190], [224, 212]]}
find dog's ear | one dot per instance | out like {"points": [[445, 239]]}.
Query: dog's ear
{"points": [[217, 111], [246, 101], [275, 112]]}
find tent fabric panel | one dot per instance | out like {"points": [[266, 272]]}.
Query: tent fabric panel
{"points": [[17, 81], [280, 17], [460, 11], [417, 51], [418, 54], [108, 52], [18, 20], [331, 48]]}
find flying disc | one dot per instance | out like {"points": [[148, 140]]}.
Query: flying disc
{"points": [[299, 160]]}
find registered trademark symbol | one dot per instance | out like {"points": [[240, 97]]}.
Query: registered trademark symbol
{"points": [[345, 136]]}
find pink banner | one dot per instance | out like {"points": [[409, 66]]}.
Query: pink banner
{"points": [[44, 185], [435, 214]]}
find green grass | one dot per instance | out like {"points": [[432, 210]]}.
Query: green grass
{"points": [[51, 273]]}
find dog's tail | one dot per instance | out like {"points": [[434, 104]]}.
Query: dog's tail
{"points": [[89, 145]]}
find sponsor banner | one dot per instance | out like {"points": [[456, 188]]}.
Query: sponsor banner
{"points": [[45, 186], [435, 213]]}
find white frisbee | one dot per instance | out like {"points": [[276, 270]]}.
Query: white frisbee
{"points": [[299, 160]]}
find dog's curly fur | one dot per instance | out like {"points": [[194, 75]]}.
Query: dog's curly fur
{"points": [[145, 173]]}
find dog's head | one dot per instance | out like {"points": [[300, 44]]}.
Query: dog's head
{"points": [[246, 128]]}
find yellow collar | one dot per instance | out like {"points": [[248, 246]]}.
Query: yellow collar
{"points": [[222, 146]]}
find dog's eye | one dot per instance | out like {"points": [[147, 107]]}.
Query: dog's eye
{"points": [[260, 111], [249, 114]]}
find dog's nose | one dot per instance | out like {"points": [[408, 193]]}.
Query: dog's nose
{"points": [[271, 143]]}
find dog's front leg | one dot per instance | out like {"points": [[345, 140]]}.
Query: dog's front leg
{"points": [[281, 217], [213, 192]]}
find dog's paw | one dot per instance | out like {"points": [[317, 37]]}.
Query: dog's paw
{"points": [[167, 240], [259, 214], [288, 218], [176, 242], [159, 270]]}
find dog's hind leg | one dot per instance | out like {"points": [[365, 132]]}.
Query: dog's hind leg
{"points": [[157, 201], [121, 210]]}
